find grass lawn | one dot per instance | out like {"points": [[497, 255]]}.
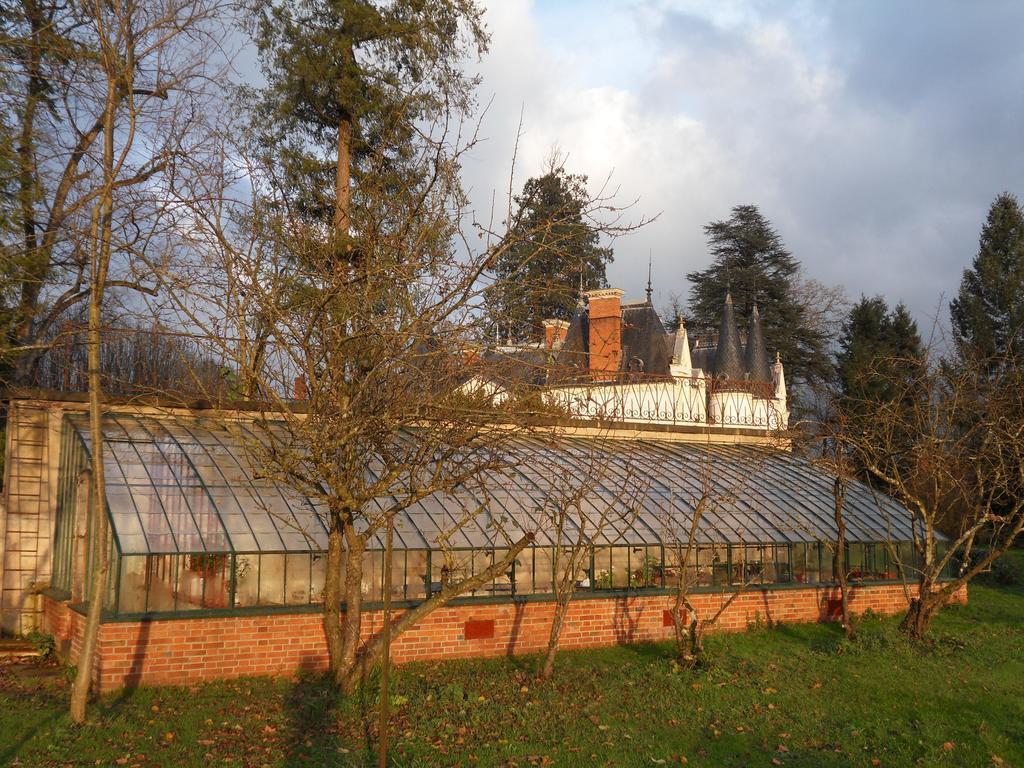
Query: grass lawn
{"points": [[795, 695]]}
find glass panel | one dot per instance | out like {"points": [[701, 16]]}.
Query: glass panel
{"points": [[247, 580], [416, 572], [602, 575], [621, 562], [645, 567], [775, 561], [160, 579], [316, 580], [297, 588], [825, 562], [855, 565], [543, 569], [747, 566], [272, 579], [204, 581], [478, 561], [800, 570], [502, 584], [398, 574], [154, 523], [373, 572], [242, 539], [133, 589]]}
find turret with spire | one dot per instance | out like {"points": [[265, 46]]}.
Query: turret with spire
{"points": [[756, 358], [728, 363]]}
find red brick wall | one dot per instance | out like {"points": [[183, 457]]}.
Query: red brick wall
{"points": [[181, 651]]}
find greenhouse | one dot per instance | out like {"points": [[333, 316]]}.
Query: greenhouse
{"points": [[197, 528]]}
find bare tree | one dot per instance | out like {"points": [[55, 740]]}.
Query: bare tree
{"points": [[596, 501], [833, 461], [950, 446], [691, 560], [381, 343], [111, 97]]}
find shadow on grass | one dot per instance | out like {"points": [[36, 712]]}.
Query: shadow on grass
{"points": [[312, 736], [823, 636], [8, 755], [649, 651]]}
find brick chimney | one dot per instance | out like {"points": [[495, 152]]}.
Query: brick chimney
{"points": [[555, 332], [605, 342], [301, 390]]}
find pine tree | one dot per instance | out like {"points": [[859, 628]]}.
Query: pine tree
{"points": [[878, 349], [751, 261], [988, 312], [555, 253], [349, 86]]}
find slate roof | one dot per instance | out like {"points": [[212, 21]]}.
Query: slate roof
{"points": [[728, 362], [756, 354], [643, 338]]}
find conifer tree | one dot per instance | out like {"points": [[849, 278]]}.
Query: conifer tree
{"points": [[988, 312], [878, 347], [541, 275], [752, 262]]}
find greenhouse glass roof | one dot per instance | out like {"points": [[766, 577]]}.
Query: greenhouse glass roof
{"points": [[178, 485]]}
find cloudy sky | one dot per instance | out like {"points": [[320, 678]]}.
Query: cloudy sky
{"points": [[873, 134]]}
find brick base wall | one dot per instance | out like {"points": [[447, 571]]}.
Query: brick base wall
{"points": [[182, 651]]}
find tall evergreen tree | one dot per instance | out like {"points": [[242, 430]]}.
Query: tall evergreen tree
{"points": [[878, 348], [988, 312], [554, 253], [359, 199], [751, 261], [349, 86]]}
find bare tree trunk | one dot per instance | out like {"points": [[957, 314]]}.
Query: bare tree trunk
{"points": [[332, 595], [923, 610], [557, 623], [698, 628], [352, 624], [839, 561], [385, 639], [696, 636], [101, 238], [683, 643]]}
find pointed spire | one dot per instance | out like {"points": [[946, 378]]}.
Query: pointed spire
{"points": [[728, 362], [756, 358], [649, 291], [681, 364], [779, 379]]}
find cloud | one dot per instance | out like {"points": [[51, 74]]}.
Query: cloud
{"points": [[874, 136]]}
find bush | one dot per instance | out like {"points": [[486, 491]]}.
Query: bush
{"points": [[45, 644]]}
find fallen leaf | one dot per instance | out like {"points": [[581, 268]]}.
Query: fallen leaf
{"points": [[948, 746]]}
